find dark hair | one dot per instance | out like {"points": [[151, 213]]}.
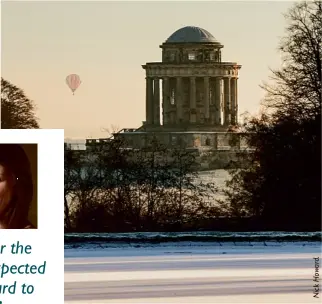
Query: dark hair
{"points": [[14, 215]]}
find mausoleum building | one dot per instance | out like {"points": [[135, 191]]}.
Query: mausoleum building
{"points": [[191, 94]]}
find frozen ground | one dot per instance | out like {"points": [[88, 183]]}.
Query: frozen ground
{"points": [[193, 273]]}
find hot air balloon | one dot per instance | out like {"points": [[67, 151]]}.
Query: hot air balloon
{"points": [[73, 81]]}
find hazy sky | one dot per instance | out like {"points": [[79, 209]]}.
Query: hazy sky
{"points": [[107, 42]]}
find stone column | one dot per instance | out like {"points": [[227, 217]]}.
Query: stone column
{"points": [[149, 101], [178, 99], [156, 102], [165, 100], [193, 100], [217, 101], [233, 87], [206, 98], [227, 101], [236, 101]]}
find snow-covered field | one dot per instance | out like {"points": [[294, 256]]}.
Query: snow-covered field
{"points": [[194, 273]]}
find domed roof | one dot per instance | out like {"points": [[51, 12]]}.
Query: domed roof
{"points": [[192, 34]]}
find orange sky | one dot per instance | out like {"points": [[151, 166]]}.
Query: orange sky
{"points": [[107, 42]]}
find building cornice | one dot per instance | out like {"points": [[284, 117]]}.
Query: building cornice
{"points": [[222, 69]]}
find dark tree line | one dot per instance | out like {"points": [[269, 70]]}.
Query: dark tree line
{"points": [[282, 184], [117, 189]]}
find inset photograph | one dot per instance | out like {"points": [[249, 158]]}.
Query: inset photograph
{"points": [[18, 186]]}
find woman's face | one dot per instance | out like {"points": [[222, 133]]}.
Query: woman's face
{"points": [[6, 185]]}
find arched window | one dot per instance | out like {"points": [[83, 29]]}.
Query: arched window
{"points": [[174, 140], [207, 143], [191, 56], [196, 142], [172, 96], [210, 96]]}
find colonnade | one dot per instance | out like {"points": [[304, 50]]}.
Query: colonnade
{"points": [[225, 100]]}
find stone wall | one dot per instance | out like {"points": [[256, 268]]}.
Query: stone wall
{"points": [[213, 150]]}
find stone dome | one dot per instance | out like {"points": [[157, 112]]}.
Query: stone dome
{"points": [[191, 34]]}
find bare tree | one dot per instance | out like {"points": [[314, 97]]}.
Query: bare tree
{"points": [[17, 110], [284, 169], [296, 89], [111, 130]]}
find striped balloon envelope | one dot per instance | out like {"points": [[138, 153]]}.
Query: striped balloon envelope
{"points": [[73, 81]]}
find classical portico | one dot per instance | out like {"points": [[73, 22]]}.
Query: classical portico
{"points": [[198, 89]]}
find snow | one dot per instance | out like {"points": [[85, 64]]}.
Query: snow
{"points": [[194, 273]]}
